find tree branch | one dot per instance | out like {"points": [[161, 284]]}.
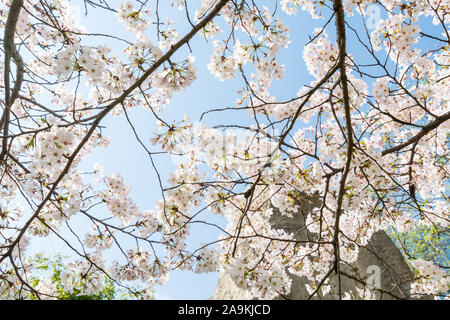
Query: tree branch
{"points": [[431, 126], [10, 51], [108, 108]]}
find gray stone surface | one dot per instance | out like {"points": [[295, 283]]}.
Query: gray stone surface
{"points": [[395, 274]]}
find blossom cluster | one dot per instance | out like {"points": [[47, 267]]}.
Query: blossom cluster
{"points": [[291, 164]]}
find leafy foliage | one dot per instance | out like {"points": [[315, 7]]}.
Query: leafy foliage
{"points": [[53, 267]]}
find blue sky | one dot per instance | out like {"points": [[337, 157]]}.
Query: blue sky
{"points": [[125, 156]]}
